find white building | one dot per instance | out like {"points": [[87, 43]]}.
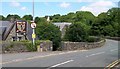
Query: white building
{"points": [[62, 26]]}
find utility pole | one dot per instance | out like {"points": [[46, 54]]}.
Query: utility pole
{"points": [[33, 10], [33, 25]]}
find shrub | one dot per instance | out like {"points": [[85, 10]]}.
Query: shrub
{"points": [[92, 39], [31, 47], [48, 31], [77, 32]]}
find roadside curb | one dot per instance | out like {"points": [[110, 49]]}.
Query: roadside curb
{"points": [[113, 64]]}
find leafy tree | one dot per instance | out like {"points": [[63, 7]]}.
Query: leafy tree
{"points": [[56, 18], [84, 16], [114, 14], [64, 18], [67, 18], [100, 22], [77, 32], [27, 17], [103, 19], [37, 19], [12, 17], [107, 24], [2, 17], [48, 31]]}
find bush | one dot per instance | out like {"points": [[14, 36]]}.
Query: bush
{"points": [[48, 31], [77, 32], [30, 46], [21, 46], [37, 42], [93, 39]]}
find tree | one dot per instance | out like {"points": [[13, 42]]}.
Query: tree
{"points": [[114, 14], [84, 16], [67, 18], [56, 18], [12, 17], [28, 17], [64, 18], [77, 32], [100, 22], [37, 19], [48, 31], [107, 23], [2, 17]]}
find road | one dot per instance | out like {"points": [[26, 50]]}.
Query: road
{"points": [[98, 57]]}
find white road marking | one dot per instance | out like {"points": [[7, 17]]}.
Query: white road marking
{"points": [[95, 54], [113, 50], [61, 63]]}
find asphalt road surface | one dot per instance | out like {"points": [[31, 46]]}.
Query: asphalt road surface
{"points": [[97, 57]]}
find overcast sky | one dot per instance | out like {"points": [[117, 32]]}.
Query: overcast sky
{"points": [[51, 7]]}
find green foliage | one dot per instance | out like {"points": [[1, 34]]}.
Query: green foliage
{"points": [[37, 42], [48, 31], [40, 20], [28, 45], [93, 39], [12, 17], [107, 24], [27, 17], [77, 32], [31, 47], [79, 16], [56, 18], [2, 17], [37, 19], [84, 16]]}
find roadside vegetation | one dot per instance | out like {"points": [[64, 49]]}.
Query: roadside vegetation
{"points": [[46, 31], [84, 25], [22, 46], [105, 24]]}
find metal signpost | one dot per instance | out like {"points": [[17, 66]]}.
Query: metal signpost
{"points": [[33, 26]]}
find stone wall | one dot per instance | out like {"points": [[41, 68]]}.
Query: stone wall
{"points": [[113, 38], [18, 47], [81, 45], [46, 46]]}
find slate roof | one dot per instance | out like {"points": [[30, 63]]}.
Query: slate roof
{"points": [[5, 28], [62, 24], [2, 30]]}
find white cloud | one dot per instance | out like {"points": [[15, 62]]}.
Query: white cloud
{"points": [[15, 4], [98, 7], [103, 4], [64, 5], [96, 0], [23, 8]]}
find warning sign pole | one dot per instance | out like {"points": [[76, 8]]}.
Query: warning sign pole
{"points": [[32, 36], [34, 27]]}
